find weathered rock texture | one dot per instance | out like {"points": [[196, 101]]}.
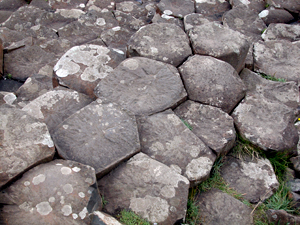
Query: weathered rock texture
{"points": [[177, 8], [100, 135], [148, 188], [213, 126], [143, 86], [281, 217], [164, 137], [58, 192], [281, 31]]}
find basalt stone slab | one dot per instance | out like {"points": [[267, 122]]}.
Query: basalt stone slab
{"points": [[11, 5], [4, 15], [272, 15], [296, 163], [82, 67], [214, 9], [194, 19], [280, 31], [58, 4], [212, 81], [281, 217], [213, 126], [290, 5], [128, 21], [99, 135], [165, 138], [101, 218], [275, 104], [254, 178], [57, 192], [143, 86], [245, 21], [25, 142], [217, 41], [147, 187], [9, 85], [100, 4], [11, 37], [254, 5], [278, 58], [219, 208], [7, 98], [160, 41], [133, 8], [24, 62], [55, 106], [177, 8], [167, 19]]}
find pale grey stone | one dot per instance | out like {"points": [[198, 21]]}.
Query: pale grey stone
{"points": [[60, 191], [25, 142], [255, 5], [216, 40], [143, 86], [164, 137], [212, 81], [101, 218], [212, 125], [281, 217], [290, 5], [213, 9], [147, 187], [195, 19], [167, 19], [278, 31], [273, 15], [177, 8], [74, 4], [100, 135], [252, 177], [219, 208], [7, 98]]}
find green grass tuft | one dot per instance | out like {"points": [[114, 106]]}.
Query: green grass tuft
{"points": [[187, 124], [192, 214], [269, 77], [130, 218]]}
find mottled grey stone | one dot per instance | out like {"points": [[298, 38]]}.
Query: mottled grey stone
{"points": [[212, 81], [294, 185], [4, 15], [296, 163], [11, 5], [278, 58], [194, 19], [254, 5], [7, 98], [100, 135], [214, 9], [11, 37], [58, 4], [101, 218], [177, 8], [160, 41], [100, 4], [55, 106], [281, 217], [143, 86], [164, 137], [25, 142], [219, 208], [278, 31], [290, 5], [215, 40], [82, 67], [134, 8], [272, 15], [213, 126], [126, 20], [167, 19], [245, 21], [57, 192], [147, 187], [266, 116], [252, 177]]}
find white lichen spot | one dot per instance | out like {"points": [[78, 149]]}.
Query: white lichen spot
{"points": [[67, 210], [58, 164], [76, 169], [68, 188], [65, 126], [116, 28], [176, 168], [154, 50], [245, 2], [263, 13], [65, 170], [168, 12], [81, 194], [62, 200], [9, 98], [198, 168], [100, 21], [75, 216], [82, 5], [26, 183], [131, 64], [118, 51], [168, 191], [43, 208], [83, 213], [165, 59], [167, 17], [89, 180], [59, 193], [38, 179], [51, 199]]}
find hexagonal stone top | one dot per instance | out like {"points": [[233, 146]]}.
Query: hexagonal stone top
{"points": [[143, 86], [160, 41]]}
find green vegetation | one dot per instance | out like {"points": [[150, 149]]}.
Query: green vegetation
{"points": [[267, 5], [187, 124], [130, 218], [269, 77], [104, 202], [9, 76]]}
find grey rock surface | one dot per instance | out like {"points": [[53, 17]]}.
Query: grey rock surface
{"points": [[273, 15], [278, 58], [143, 86], [254, 5], [281, 31], [25, 142], [274, 103], [213, 9], [147, 187], [296, 163], [101, 218], [216, 40], [195, 19], [281, 217], [254, 178], [165, 138], [167, 19], [177, 8], [220, 208], [55, 106], [99, 135], [58, 4], [290, 5], [294, 185], [7, 98], [213, 126], [82, 67], [57, 192], [212, 81], [160, 41], [11, 5]]}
